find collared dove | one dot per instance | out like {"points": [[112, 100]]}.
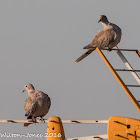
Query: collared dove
{"points": [[37, 104], [109, 37]]}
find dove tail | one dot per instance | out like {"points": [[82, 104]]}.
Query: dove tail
{"points": [[85, 55], [26, 124], [88, 47]]}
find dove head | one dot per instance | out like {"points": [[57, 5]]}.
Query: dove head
{"points": [[103, 19], [28, 87]]}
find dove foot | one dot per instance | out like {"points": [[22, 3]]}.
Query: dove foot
{"points": [[42, 120], [109, 49]]}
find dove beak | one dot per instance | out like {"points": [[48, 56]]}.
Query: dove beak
{"points": [[99, 21]]}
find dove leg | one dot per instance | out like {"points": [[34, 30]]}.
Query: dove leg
{"points": [[34, 119]]}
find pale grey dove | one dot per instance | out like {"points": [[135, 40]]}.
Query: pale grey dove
{"points": [[109, 37], [37, 104]]}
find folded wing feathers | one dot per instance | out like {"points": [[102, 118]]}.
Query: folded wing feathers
{"points": [[102, 39], [30, 106]]}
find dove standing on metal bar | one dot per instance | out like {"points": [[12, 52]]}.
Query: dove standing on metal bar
{"points": [[109, 37], [37, 104]]}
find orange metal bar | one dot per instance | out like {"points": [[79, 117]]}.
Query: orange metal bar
{"points": [[135, 50], [55, 129], [120, 81], [138, 53], [127, 128]]}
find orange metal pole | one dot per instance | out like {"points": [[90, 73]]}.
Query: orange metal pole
{"points": [[138, 53], [55, 129], [123, 128], [120, 81]]}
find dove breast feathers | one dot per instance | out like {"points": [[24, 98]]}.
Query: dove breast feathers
{"points": [[106, 38], [37, 104]]}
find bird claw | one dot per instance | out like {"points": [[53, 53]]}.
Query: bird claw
{"points": [[42, 120], [109, 49]]}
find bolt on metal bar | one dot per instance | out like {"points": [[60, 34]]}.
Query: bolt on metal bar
{"points": [[127, 125]]}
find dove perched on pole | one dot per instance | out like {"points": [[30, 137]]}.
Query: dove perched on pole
{"points": [[37, 104], [109, 37]]}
